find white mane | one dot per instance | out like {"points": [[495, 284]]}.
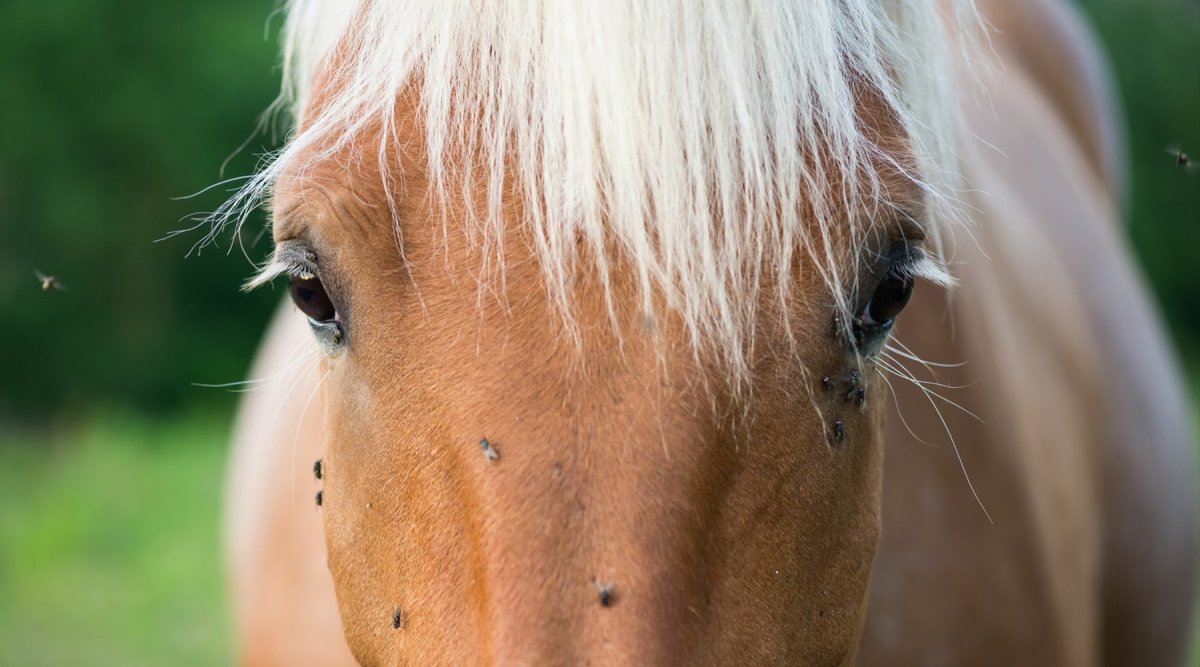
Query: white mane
{"points": [[688, 135]]}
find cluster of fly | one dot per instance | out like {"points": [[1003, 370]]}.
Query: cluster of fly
{"points": [[852, 384], [319, 473]]}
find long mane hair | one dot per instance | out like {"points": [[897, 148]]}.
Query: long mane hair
{"points": [[699, 139]]}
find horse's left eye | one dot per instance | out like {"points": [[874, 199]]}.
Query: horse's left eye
{"points": [[889, 299], [310, 297]]}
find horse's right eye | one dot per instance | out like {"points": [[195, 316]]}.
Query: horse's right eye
{"points": [[310, 297], [891, 295]]}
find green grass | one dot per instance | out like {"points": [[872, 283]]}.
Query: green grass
{"points": [[109, 548]]}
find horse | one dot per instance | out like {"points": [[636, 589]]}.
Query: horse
{"points": [[600, 344]]}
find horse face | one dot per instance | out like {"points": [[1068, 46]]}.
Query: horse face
{"points": [[496, 488]]}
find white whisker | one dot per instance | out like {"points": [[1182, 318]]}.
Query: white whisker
{"points": [[296, 432], [902, 350], [903, 373], [900, 414], [255, 384], [884, 355]]}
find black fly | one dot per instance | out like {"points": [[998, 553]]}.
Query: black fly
{"points": [[605, 592], [839, 431], [488, 450]]}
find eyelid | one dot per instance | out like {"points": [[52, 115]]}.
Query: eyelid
{"points": [[915, 262], [292, 257], [903, 256], [912, 231]]}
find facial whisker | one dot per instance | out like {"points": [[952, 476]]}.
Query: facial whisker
{"points": [[900, 413], [253, 384], [306, 361], [299, 422], [929, 396], [907, 375], [247, 386], [902, 349], [884, 355]]}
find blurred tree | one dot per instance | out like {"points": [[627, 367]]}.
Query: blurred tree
{"points": [[109, 111], [1154, 50]]}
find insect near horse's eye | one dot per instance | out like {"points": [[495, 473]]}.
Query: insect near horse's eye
{"points": [[309, 296]]}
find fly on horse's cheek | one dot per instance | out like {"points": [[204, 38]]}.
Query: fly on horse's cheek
{"points": [[361, 512], [839, 431]]}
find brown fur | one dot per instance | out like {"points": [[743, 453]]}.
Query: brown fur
{"points": [[731, 532]]}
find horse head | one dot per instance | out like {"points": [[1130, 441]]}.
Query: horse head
{"points": [[599, 343]]}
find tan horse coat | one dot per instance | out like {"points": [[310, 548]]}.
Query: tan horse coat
{"points": [[1080, 455]]}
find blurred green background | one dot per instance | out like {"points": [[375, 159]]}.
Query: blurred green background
{"points": [[110, 458]]}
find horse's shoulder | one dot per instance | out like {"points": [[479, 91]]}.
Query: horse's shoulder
{"points": [[1057, 49]]}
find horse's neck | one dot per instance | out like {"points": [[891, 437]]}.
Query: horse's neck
{"points": [[1049, 41], [1062, 353], [1017, 323]]}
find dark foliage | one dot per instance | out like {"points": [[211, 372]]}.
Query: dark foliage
{"points": [[1154, 50], [109, 111]]}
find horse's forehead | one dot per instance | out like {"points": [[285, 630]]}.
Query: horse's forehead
{"points": [[338, 172], [351, 175]]}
